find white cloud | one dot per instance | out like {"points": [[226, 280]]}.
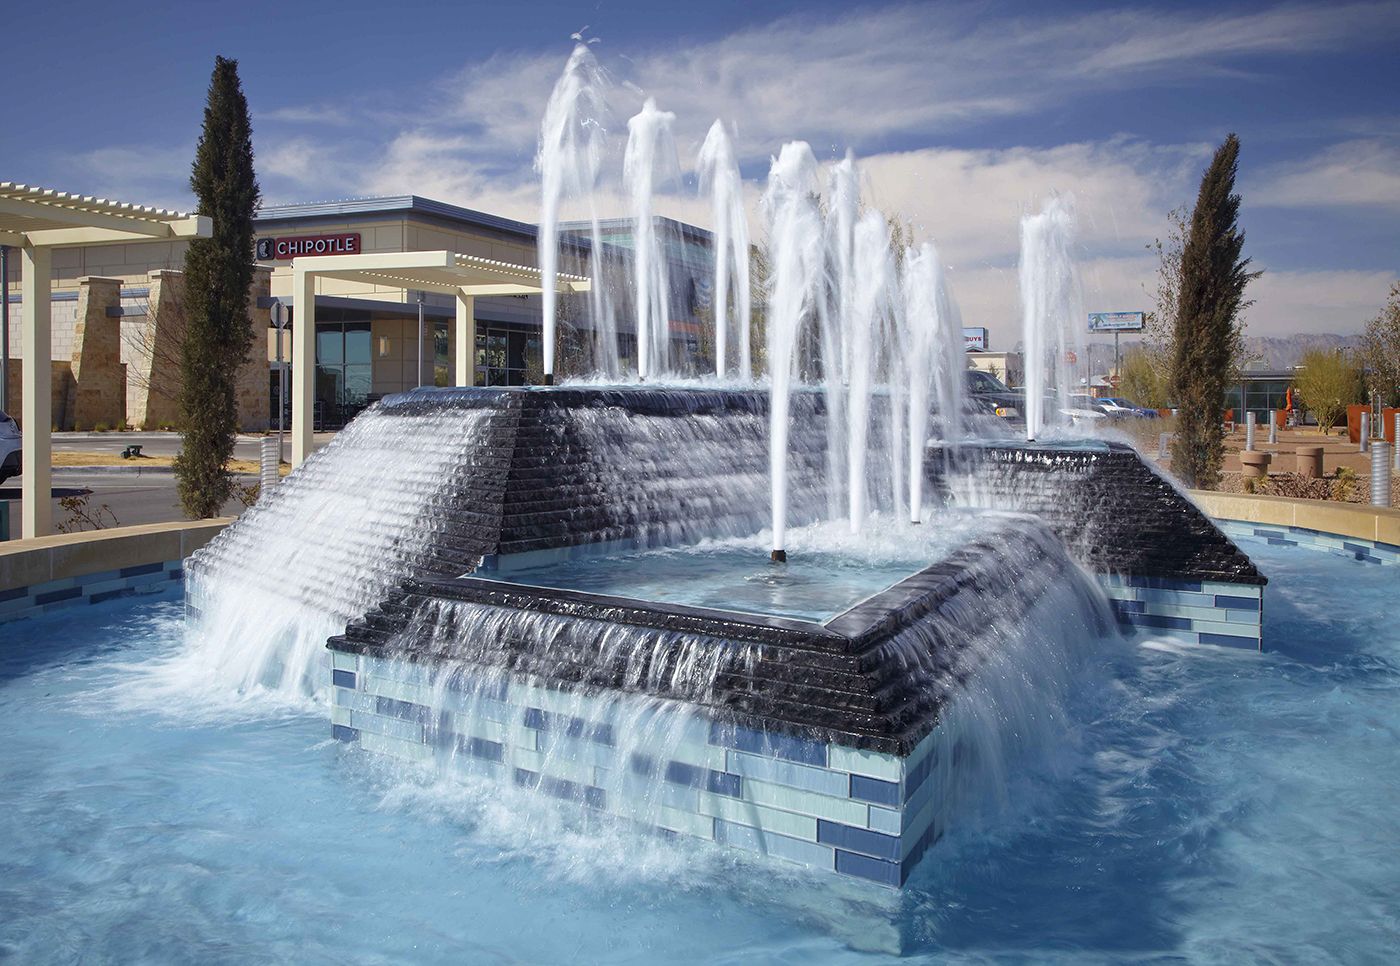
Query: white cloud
{"points": [[1364, 172]]}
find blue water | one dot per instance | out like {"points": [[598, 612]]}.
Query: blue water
{"points": [[1223, 807], [811, 586]]}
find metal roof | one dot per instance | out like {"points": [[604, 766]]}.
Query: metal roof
{"points": [[352, 207]]}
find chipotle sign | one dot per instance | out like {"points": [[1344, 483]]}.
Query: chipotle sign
{"points": [[281, 249]]}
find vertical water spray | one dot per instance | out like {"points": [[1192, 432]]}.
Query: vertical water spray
{"points": [[794, 236], [719, 172], [1049, 307], [932, 358], [572, 138], [843, 193], [867, 315], [650, 161]]}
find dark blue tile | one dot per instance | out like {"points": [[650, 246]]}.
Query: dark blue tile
{"points": [[481, 748], [1128, 606], [723, 783], [54, 596], [343, 679], [1280, 542], [1355, 547], [1157, 620], [683, 774], [526, 778], [859, 840], [141, 570], [595, 797], [641, 764], [917, 775], [569, 726], [14, 593], [111, 595], [768, 743], [176, 575], [864, 867], [1229, 640], [342, 733], [392, 708], [874, 790], [1236, 603]]}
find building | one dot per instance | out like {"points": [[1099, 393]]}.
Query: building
{"points": [[117, 311]]}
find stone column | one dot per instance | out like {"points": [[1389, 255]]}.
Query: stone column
{"points": [[97, 393]]}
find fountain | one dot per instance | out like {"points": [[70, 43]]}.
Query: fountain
{"points": [[719, 170], [565, 589], [649, 162]]}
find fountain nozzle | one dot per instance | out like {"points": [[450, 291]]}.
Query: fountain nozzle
{"points": [[778, 556], [549, 378]]}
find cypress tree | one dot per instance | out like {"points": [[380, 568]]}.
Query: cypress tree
{"points": [[1208, 337], [218, 272]]}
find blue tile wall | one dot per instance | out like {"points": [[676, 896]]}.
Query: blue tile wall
{"points": [[875, 790]]}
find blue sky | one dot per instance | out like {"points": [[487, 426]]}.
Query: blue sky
{"points": [[966, 114]]}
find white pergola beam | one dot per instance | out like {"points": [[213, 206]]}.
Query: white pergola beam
{"points": [[158, 231], [303, 361]]}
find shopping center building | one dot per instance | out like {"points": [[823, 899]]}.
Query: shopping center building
{"points": [[118, 315]]}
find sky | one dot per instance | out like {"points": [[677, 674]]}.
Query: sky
{"points": [[963, 115]]}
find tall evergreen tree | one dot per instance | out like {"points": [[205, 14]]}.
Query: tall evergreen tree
{"points": [[218, 272], [1209, 337]]}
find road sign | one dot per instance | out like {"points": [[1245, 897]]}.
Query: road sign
{"points": [[280, 315], [1115, 321]]}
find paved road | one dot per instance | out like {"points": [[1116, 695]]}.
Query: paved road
{"points": [[161, 444], [133, 499]]}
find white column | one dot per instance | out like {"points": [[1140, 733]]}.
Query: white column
{"points": [[36, 406], [303, 363], [466, 339]]}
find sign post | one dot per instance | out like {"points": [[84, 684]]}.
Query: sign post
{"points": [[280, 317], [1117, 323]]}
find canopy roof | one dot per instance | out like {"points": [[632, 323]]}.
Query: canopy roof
{"points": [[43, 217], [439, 271]]}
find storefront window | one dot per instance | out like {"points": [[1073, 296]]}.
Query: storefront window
{"points": [[504, 356], [344, 370]]}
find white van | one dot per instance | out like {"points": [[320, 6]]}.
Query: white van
{"points": [[9, 448]]}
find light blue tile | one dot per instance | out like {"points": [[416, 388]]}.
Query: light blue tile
{"points": [[885, 820], [790, 773]]}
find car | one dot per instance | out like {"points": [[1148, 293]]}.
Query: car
{"points": [[1117, 406], [994, 395], [9, 448]]}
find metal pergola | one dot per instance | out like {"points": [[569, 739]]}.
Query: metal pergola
{"points": [[462, 276], [36, 221]]}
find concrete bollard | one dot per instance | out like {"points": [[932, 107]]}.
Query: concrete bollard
{"points": [[268, 468], [1249, 432], [1380, 473], [1365, 436], [1309, 461], [1164, 441], [1255, 464]]}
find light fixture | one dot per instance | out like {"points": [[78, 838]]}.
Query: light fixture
{"points": [[383, 347]]}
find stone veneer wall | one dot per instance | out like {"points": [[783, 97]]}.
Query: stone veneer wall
{"points": [[97, 392], [819, 804]]}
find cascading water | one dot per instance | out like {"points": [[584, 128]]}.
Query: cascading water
{"points": [[323, 548], [719, 171], [932, 358], [649, 162], [1050, 310], [573, 136], [794, 232], [869, 312]]}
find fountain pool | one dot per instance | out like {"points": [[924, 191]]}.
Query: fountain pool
{"points": [[1200, 803]]}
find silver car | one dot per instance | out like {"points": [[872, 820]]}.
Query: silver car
{"points": [[9, 448]]}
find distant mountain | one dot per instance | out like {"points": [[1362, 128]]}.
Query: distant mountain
{"points": [[1283, 352]]}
